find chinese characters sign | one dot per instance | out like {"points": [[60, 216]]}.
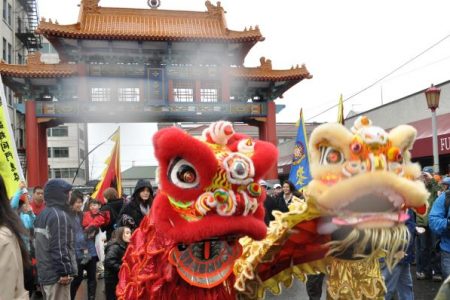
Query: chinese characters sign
{"points": [[10, 168]]}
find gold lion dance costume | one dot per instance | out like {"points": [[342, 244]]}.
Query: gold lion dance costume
{"points": [[354, 214]]}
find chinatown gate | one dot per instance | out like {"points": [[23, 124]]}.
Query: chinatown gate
{"points": [[145, 65]]}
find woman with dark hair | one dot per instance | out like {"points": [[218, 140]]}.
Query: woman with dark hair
{"points": [[113, 260], [113, 206], [86, 254], [132, 213], [282, 200], [14, 257]]}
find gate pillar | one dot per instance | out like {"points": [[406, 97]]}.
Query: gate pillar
{"points": [[32, 146], [268, 133], [43, 153]]}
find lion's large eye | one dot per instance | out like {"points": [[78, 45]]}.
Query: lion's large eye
{"points": [[183, 174], [331, 156]]}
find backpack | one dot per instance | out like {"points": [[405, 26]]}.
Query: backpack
{"points": [[437, 246]]}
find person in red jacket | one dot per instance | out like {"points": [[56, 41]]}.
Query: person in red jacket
{"points": [[93, 219], [37, 202]]}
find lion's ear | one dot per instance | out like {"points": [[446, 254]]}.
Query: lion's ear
{"points": [[403, 137]]}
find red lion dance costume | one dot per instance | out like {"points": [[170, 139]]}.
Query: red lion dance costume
{"points": [[209, 197]]}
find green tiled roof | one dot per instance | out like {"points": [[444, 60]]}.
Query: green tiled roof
{"points": [[139, 172]]}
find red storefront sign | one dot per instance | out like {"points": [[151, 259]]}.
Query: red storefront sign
{"points": [[423, 145]]}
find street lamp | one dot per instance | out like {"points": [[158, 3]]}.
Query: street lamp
{"points": [[432, 94]]}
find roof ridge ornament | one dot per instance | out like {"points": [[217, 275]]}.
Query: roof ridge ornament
{"points": [[266, 64], [153, 3], [34, 58], [90, 5], [214, 9]]}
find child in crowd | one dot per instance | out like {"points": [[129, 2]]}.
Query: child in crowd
{"points": [[93, 219], [113, 260], [27, 217]]}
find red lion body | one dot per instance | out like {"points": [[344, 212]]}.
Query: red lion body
{"points": [[208, 198]]}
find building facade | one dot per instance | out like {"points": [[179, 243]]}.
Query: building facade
{"points": [[67, 149], [19, 21]]}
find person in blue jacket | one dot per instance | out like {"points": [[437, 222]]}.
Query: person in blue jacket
{"points": [[439, 222], [398, 280]]}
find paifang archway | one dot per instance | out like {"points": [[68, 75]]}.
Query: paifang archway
{"points": [[145, 65]]}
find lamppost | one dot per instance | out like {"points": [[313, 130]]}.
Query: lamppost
{"points": [[432, 94]]}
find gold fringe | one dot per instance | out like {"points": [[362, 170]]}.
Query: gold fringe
{"points": [[391, 242]]}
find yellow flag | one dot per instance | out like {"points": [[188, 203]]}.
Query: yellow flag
{"points": [[10, 168], [340, 118]]}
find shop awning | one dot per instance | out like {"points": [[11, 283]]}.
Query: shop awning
{"points": [[423, 145]]}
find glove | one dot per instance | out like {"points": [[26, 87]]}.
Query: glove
{"points": [[420, 230], [86, 258]]}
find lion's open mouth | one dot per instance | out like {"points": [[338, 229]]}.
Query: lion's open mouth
{"points": [[378, 209], [206, 264]]}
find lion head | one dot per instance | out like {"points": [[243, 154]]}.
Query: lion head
{"points": [[363, 182]]}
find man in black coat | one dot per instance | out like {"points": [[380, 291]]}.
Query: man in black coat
{"points": [[54, 242]]}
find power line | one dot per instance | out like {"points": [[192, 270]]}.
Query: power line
{"points": [[385, 76]]}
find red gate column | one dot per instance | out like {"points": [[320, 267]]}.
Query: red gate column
{"points": [[43, 154], [31, 136], [268, 133]]}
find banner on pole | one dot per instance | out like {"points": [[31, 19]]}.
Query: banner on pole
{"points": [[10, 168], [300, 174]]}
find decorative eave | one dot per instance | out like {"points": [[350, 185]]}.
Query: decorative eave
{"points": [[265, 72], [37, 69], [97, 22]]}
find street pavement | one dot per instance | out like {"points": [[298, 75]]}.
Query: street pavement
{"points": [[423, 290]]}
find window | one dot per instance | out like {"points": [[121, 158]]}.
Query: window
{"points": [[4, 49], [81, 153], [100, 94], [183, 91], [19, 25], [80, 134], [19, 59], [66, 173], [20, 138], [9, 96], [209, 91], [58, 131], [9, 53], [9, 13], [45, 48], [129, 94], [4, 9], [58, 152]]}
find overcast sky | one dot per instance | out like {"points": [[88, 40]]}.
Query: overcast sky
{"points": [[346, 45]]}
